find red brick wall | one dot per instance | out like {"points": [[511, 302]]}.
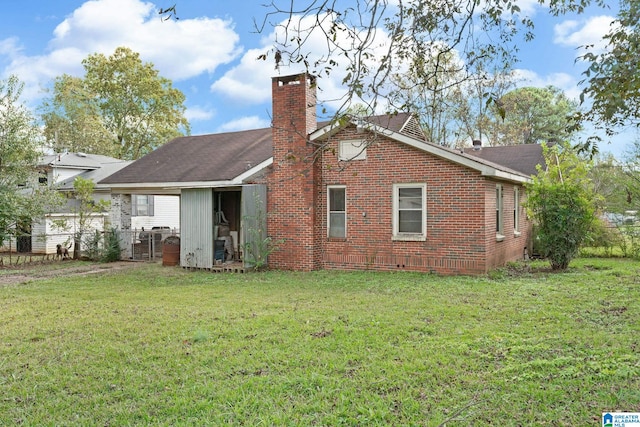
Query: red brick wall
{"points": [[291, 183], [512, 246], [461, 237], [461, 228]]}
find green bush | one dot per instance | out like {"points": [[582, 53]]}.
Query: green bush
{"points": [[562, 204], [93, 245], [564, 219], [604, 237], [630, 241], [112, 249]]}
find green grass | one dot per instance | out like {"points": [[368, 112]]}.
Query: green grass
{"points": [[165, 346]]}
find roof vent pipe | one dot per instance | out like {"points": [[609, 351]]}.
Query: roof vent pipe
{"points": [[477, 144]]}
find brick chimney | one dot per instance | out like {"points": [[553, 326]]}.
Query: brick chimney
{"points": [[291, 184]]}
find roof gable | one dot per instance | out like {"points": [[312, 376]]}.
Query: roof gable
{"points": [[402, 123], [484, 166]]}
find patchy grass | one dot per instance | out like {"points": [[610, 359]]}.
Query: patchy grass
{"points": [[165, 346]]}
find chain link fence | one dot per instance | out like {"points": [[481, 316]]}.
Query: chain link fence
{"points": [[135, 244], [146, 245]]}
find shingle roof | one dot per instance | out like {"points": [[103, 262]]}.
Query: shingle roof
{"points": [[225, 156], [76, 160], [96, 175], [213, 157], [523, 158]]}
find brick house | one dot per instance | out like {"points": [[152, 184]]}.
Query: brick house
{"points": [[366, 193], [400, 203]]}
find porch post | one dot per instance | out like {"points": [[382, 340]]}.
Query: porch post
{"points": [[121, 220]]}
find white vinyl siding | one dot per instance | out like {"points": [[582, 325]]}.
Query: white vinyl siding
{"points": [[166, 213]]}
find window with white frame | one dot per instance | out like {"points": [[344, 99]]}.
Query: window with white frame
{"points": [[337, 211], [352, 150], [141, 205], [516, 211], [409, 212], [499, 212]]}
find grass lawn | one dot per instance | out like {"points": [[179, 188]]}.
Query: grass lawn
{"points": [[164, 346]]}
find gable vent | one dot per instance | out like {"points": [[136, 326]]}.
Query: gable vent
{"points": [[412, 128]]}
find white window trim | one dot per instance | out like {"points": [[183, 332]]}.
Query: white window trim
{"points": [[499, 213], [329, 188], [418, 237], [358, 150], [516, 211]]}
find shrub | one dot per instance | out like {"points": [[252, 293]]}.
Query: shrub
{"points": [[630, 241], [562, 205], [604, 237], [112, 251]]}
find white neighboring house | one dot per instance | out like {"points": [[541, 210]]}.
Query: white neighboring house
{"points": [[149, 211], [60, 170]]}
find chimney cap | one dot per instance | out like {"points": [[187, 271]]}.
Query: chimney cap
{"points": [[477, 144], [294, 79]]}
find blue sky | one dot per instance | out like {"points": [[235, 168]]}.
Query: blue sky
{"points": [[210, 52]]}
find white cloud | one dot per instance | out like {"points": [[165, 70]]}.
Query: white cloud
{"points": [[245, 123], [528, 7], [250, 81], [178, 49], [591, 32], [199, 114], [566, 82], [9, 47]]}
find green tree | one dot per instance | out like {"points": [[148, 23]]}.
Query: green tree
{"points": [[631, 168], [531, 115], [85, 208], [22, 197], [73, 120], [432, 99], [616, 183], [612, 81], [474, 99], [122, 107], [451, 105], [484, 35], [562, 204]]}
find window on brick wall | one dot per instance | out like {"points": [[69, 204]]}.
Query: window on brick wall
{"points": [[352, 150], [141, 205], [499, 213], [516, 211], [409, 212], [337, 212]]}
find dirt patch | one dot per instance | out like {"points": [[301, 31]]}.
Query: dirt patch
{"points": [[28, 273]]}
